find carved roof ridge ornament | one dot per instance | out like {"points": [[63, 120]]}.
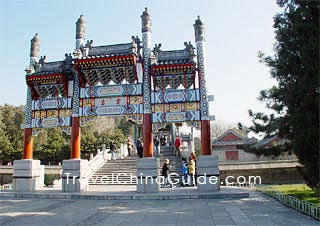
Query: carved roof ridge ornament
{"points": [[67, 64], [146, 20], [189, 48], [68, 58], [89, 43], [156, 50], [136, 43], [199, 29], [42, 62]]}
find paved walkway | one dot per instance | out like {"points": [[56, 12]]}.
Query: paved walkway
{"points": [[128, 192], [256, 210]]}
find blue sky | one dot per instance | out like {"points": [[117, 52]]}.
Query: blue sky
{"points": [[235, 31]]}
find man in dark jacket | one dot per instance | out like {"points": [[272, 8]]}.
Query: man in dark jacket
{"points": [[156, 143], [112, 149], [140, 147], [165, 173]]}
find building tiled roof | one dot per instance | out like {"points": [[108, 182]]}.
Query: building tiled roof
{"points": [[269, 142], [174, 57], [231, 138], [112, 50], [263, 142], [49, 68]]}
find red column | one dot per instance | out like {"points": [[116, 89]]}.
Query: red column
{"points": [[28, 144], [147, 136], [75, 138], [205, 137]]}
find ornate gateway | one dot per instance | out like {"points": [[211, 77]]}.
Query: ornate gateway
{"points": [[149, 86]]}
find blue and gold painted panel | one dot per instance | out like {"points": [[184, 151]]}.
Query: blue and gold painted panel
{"points": [[51, 122], [175, 96], [111, 91], [52, 103], [176, 116], [111, 110]]}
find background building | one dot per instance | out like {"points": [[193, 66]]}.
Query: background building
{"points": [[229, 148]]}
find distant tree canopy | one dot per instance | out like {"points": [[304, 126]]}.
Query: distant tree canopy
{"points": [[295, 99], [11, 134], [51, 146]]}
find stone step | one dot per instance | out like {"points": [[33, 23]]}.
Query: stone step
{"points": [[116, 169], [126, 176], [127, 168], [130, 172], [109, 183]]}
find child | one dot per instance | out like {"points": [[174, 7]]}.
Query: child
{"points": [[191, 171], [184, 171], [165, 173]]}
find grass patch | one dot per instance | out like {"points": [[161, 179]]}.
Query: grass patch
{"points": [[300, 191]]}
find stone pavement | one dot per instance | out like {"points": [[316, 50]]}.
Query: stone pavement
{"points": [[128, 192], [256, 210]]}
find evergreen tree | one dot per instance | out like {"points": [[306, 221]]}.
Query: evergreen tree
{"points": [[125, 126], [295, 98], [89, 141], [51, 146]]}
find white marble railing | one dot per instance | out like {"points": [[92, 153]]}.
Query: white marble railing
{"points": [[6, 187], [97, 161]]}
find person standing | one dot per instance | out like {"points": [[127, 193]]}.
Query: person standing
{"points": [[184, 172], [193, 155], [165, 173], [166, 141], [156, 143], [162, 141], [191, 172], [177, 144], [129, 146], [112, 149], [140, 147]]}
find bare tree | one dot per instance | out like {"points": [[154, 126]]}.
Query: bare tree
{"points": [[219, 127]]}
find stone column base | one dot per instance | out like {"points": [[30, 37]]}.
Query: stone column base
{"points": [[208, 173], [28, 175], [147, 173], [75, 175]]}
